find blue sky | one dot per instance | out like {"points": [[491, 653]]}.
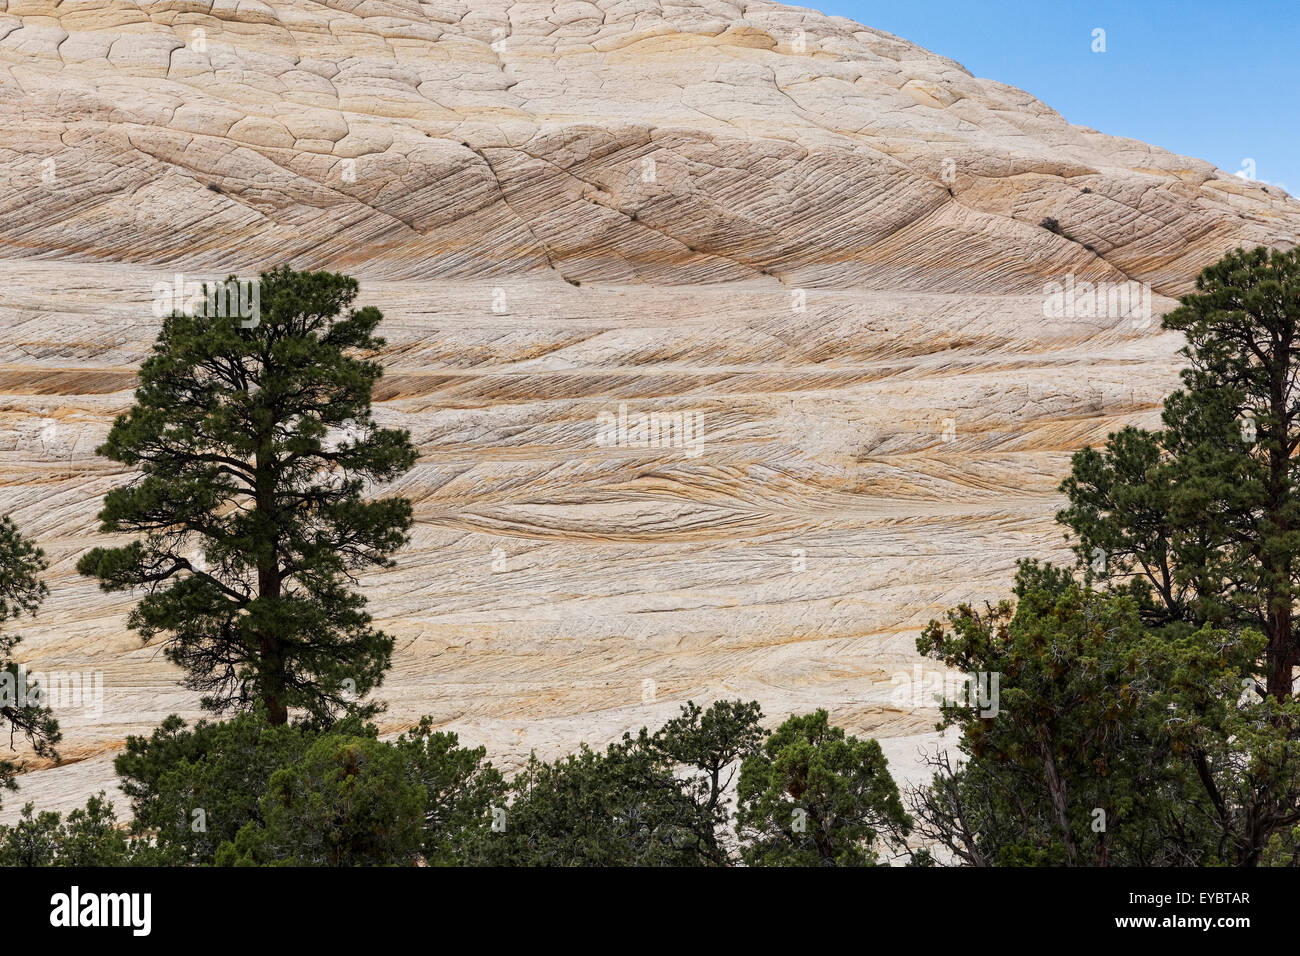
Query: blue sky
{"points": [[1219, 81]]}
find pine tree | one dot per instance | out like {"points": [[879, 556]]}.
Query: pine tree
{"points": [[815, 796], [253, 448], [1111, 742], [1201, 520], [21, 707]]}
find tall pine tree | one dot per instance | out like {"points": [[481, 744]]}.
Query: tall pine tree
{"points": [[22, 706], [253, 448], [1201, 521]]}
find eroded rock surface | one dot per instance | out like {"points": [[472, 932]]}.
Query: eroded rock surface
{"points": [[824, 241]]}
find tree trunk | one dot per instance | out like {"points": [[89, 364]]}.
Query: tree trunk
{"points": [[1281, 654], [1281, 494], [271, 666], [1056, 790], [271, 676], [276, 713]]}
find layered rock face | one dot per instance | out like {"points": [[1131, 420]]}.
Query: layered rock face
{"points": [[856, 286]]}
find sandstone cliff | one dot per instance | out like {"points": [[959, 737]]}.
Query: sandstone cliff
{"points": [[828, 248]]}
